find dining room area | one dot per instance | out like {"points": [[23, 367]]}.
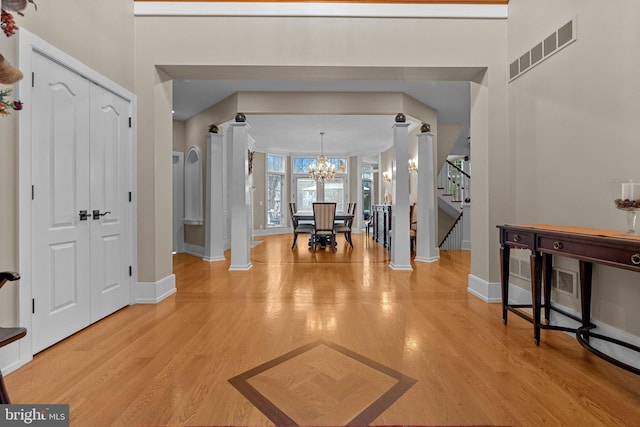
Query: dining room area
{"points": [[322, 225], [251, 190]]}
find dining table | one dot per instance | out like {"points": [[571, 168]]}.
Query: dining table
{"points": [[308, 216]]}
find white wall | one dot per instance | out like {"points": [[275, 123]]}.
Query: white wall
{"points": [[255, 44], [102, 38], [574, 126]]}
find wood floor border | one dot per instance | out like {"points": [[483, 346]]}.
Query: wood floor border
{"points": [[279, 418]]}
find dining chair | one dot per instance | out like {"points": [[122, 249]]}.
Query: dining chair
{"points": [[344, 227], [413, 226], [349, 210], [8, 335], [292, 205], [324, 226], [298, 228]]}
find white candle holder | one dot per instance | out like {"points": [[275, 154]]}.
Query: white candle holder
{"points": [[626, 197]]}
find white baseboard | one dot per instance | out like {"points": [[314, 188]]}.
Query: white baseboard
{"points": [[214, 259], [428, 260], [10, 357], [486, 291], [194, 250], [272, 231], [400, 267], [245, 267], [153, 293], [518, 295]]}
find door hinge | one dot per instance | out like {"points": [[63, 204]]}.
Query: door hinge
{"points": [[130, 271], [129, 121], [130, 197], [33, 306], [33, 192], [33, 79]]}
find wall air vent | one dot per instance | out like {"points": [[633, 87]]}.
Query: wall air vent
{"points": [[551, 45], [536, 53]]}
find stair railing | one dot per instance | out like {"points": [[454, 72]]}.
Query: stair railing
{"points": [[453, 239], [455, 182]]}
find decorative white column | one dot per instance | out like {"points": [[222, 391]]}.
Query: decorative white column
{"points": [[426, 234], [214, 211], [400, 245], [241, 235]]}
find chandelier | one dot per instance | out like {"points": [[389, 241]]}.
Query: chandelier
{"points": [[322, 170]]}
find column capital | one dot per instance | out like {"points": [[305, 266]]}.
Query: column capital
{"points": [[401, 125], [239, 124]]}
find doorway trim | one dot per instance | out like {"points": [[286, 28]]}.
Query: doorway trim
{"points": [[28, 43], [178, 201]]}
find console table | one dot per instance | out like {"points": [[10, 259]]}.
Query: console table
{"points": [[382, 224], [588, 246]]}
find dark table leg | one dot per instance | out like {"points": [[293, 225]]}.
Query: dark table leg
{"points": [[586, 273], [547, 268], [504, 279], [536, 291]]}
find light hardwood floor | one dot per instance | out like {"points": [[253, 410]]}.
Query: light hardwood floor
{"points": [[169, 364]]}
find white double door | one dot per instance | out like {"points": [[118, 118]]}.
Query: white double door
{"points": [[81, 211]]}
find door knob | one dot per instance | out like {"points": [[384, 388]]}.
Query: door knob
{"points": [[97, 214], [83, 215]]}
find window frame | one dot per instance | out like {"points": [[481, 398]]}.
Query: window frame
{"points": [[283, 180], [342, 174]]}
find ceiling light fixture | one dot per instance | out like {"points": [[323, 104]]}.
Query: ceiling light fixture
{"points": [[322, 170], [413, 166]]}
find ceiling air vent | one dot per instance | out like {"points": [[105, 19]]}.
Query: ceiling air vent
{"points": [[551, 45]]}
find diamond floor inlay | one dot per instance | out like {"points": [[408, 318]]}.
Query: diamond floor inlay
{"points": [[322, 383]]}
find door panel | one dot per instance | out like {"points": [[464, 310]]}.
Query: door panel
{"points": [[80, 162], [60, 174], [65, 282], [110, 186]]}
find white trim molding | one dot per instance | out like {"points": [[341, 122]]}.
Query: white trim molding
{"points": [[321, 9], [486, 291], [518, 295], [154, 292], [194, 250], [10, 357]]}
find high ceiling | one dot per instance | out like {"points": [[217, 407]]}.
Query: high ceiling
{"points": [[351, 1], [446, 89], [355, 134]]}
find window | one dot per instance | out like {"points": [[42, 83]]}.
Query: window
{"points": [[275, 191], [367, 187], [305, 193], [307, 190], [301, 164], [334, 192]]}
